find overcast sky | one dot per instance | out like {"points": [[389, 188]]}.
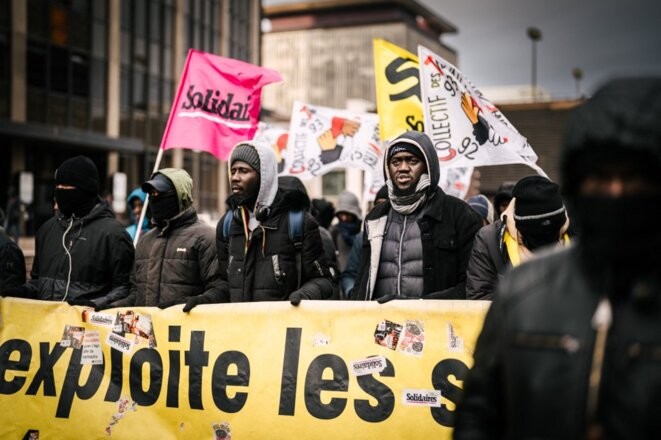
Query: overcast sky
{"points": [[604, 38]]}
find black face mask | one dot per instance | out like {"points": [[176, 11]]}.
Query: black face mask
{"points": [[74, 202], [164, 207], [619, 239]]}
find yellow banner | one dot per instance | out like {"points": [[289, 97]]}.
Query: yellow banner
{"points": [[340, 370], [398, 98]]}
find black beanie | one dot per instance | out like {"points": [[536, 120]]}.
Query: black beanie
{"points": [[539, 212], [246, 153], [80, 172], [405, 147]]}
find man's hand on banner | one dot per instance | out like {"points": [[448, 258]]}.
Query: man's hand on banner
{"points": [[350, 128], [469, 107], [327, 141]]}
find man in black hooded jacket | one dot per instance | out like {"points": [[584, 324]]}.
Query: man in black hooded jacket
{"points": [[83, 255], [417, 244], [571, 346]]}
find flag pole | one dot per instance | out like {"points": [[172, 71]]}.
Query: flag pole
{"points": [[138, 230]]}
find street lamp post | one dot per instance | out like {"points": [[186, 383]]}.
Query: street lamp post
{"points": [[577, 73], [535, 35]]}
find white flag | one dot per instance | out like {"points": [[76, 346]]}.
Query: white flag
{"points": [[322, 139], [466, 128], [276, 137]]}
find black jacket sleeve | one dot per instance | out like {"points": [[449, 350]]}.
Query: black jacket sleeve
{"points": [[482, 275], [315, 278]]}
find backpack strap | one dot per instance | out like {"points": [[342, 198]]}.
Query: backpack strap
{"points": [[227, 224], [296, 237]]}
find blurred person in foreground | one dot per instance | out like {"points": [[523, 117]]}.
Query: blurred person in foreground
{"points": [[570, 345]]}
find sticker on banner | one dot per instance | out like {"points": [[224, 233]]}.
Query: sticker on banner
{"points": [[72, 336], [455, 342], [421, 397], [119, 342], [222, 431], [387, 334], [412, 339], [367, 366], [320, 340], [124, 404], [92, 353], [99, 318]]}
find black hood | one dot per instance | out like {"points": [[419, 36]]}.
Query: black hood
{"points": [[424, 143], [621, 122], [294, 196]]}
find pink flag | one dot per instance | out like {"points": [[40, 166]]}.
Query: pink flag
{"points": [[217, 104]]}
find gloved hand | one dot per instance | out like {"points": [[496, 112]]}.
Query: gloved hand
{"points": [[388, 298], [296, 296], [192, 302], [84, 302], [166, 304]]}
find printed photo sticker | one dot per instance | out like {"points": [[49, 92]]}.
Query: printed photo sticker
{"points": [[92, 353], [222, 431], [72, 336], [412, 340], [387, 334]]}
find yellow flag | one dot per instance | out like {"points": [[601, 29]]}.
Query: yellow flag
{"points": [[397, 90]]}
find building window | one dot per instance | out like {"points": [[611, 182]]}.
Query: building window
{"points": [[65, 60], [239, 32], [333, 183]]}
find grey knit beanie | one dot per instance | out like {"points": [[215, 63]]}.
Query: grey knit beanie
{"points": [[246, 153]]}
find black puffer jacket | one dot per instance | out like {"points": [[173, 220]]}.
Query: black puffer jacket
{"points": [[268, 271], [447, 227], [533, 360], [174, 263], [101, 258]]}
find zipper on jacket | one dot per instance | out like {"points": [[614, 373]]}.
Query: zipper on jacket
{"points": [[399, 258]]}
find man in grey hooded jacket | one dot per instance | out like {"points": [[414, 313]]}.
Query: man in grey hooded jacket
{"points": [[417, 244]]}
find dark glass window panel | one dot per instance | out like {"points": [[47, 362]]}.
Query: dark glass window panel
{"points": [[36, 105], [125, 12], [57, 109], [80, 113], [38, 26], [99, 36], [167, 63], [36, 65], [156, 131], [139, 125], [154, 95], [125, 89], [5, 14], [100, 10], [98, 117], [125, 125], [4, 99], [140, 52], [140, 18], [155, 20], [166, 87], [139, 90], [59, 69], [168, 26], [81, 75], [125, 48], [154, 59], [98, 80]]}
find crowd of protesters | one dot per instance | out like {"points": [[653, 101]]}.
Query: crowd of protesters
{"points": [[553, 295]]}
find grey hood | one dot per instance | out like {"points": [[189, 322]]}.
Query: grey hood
{"points": [[424, 143], [268, 172]]}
